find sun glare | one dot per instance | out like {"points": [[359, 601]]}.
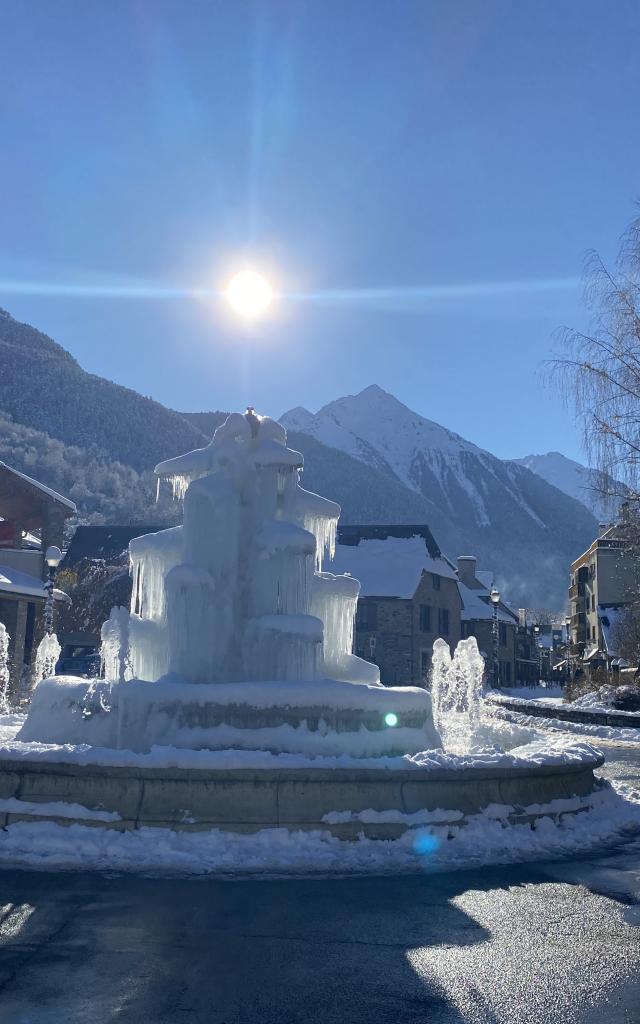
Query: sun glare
{"points": [[249, 294]]}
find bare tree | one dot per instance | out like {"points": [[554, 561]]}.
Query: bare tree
{"points": [[599, 372]]}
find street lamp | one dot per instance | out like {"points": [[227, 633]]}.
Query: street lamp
{"points": [[52, 557], [536, 633], [495, 601], [567, 623]]}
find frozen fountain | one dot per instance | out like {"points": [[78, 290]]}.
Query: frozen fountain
{"points": [[236, 636], [231, 695]]}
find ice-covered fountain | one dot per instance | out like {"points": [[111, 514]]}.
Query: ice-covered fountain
{"points": [[231, 695]]}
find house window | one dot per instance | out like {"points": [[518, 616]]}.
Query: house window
{"points": [[435, 580], [443, 621], [506, 671], [503, 634], [367, 615], [425, 663], [593, 602], [425, 618]]}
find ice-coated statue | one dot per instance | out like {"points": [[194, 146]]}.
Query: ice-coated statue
{"points": [[237, 592]]}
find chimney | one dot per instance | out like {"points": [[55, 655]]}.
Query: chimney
{"points": [[467, 570], [522, 617]]}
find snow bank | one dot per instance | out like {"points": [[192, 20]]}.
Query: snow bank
{"points": [[604, 732], [483, 839]]}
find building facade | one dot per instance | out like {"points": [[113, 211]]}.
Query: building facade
{"points": [[603, 582], [32, 518], [477, 619], [409, 597]]}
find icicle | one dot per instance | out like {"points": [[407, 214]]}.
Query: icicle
{"points": [[158, 491], [334, 601], [324, 529]]}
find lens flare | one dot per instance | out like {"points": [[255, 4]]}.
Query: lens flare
{"points": [[425, 843], [249, 294], [391, 719]]}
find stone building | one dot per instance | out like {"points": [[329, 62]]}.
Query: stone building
{"points": [[477, 619], [409, 597], [603, 582], [32, 518]]}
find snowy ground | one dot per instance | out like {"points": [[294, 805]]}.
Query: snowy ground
{"points": [[485, 839], [557, 726]]}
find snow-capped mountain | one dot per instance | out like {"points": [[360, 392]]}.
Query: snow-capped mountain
{"points": [[577, 481], [514, 521]]}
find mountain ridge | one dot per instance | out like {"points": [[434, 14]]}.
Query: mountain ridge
{"points": [[578, 481], [380, 460], [496, 509]]}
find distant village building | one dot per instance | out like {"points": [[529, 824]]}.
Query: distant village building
{"points": [[477, 619], [409, 597], [32, 517], [603, 584]]}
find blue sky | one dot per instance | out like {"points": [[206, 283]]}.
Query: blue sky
{"points": [[365, 146]]}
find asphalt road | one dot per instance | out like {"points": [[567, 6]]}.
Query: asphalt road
{"points": [[554, 942]]}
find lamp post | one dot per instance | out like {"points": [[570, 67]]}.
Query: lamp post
{"points": [[536, 633], [495, 601], [567, 623], [52, 557]]}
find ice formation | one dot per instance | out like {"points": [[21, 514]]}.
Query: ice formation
{"points": [[4, 669], [46, 657], [237, 593], [456, 693]]}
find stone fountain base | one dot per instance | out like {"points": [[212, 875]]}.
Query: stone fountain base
{"points": [[377, 802]]}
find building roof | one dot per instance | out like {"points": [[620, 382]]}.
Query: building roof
{"points": [[476, 604], [40, 489], [16, 583], [389, 560], [107, 542]]}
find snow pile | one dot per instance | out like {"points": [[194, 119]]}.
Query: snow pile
{"points": [[426, 846], [604, 732], [55, 808]]}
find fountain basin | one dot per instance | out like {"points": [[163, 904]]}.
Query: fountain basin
{"points": [[381, 801], [323, 716]]}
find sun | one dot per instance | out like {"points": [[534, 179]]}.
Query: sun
{"points": [[249, 294]]}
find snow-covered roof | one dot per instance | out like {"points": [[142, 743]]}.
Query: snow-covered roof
{"points": [[389, 567], [41, 487], [14, 581], [476, 604]]}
